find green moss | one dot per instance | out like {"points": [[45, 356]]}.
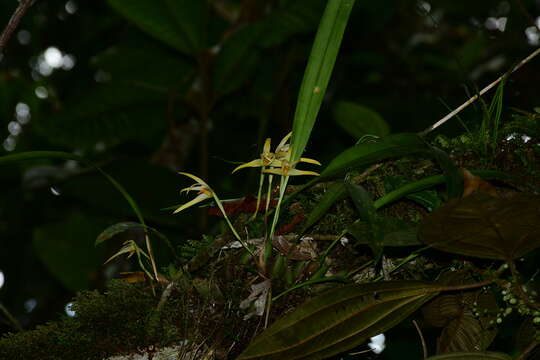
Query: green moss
{"points": [[104, 325]]}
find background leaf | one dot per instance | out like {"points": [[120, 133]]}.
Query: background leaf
{"points": [[358, 120], [179, 24], [237, 60], [66, 248]]}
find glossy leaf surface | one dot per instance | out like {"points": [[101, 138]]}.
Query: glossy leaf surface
{"points": [[339, 320], [482, 226]]}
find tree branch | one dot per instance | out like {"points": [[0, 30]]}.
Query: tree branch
{"points": [[24, 5]]}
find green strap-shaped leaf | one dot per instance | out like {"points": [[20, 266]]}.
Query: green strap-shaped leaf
{"points": [[359, 156], [318, 71], [339, 320], [431, 181]]}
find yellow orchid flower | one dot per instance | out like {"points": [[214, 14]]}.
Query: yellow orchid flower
{"points": [[286, 168], [204, 192], [267, 157]]}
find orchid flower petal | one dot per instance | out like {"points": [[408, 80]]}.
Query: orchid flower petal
{"points": [[253, 163], [197, 179], [310, 161], [198, 199], [290, 172], [266, 147], [283, 142]]}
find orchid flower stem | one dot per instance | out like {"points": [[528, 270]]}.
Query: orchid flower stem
{"points": [[244, 244], [269, 192], [141, 264], [268, 247], [261, 183], [150, 256]]}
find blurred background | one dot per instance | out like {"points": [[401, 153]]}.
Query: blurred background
{"points": [[148, 88]]}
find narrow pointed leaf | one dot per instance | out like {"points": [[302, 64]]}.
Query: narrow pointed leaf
{"points": [[483, 226], [318, 71], [339, 320], [365, 154], [431, 181]]}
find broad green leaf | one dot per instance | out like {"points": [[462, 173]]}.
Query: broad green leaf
{"points": [[180, 24], [299, 16], [358, 120], [318, 71], [192, 18], [67, 251], [478, 355], [466, 333], [237, 59], [455, 312], [339, 320], [361, 155], [483, 226], [335, 193]]}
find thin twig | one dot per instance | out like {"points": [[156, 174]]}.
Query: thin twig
{"points": [[528, 350], [482, 92], [424, 347], [24, 5]]}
